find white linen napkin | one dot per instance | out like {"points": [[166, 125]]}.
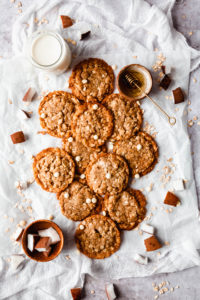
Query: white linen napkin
{"points": [[122, 32]]}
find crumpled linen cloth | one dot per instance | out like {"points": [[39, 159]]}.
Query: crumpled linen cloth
{"points": [[122, 32]]}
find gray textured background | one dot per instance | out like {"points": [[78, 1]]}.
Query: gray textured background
{"points": [[186, 20]]}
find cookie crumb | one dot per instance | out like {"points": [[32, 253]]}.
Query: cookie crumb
{"points": [[22, 223], [114, 67], [92, 292]]}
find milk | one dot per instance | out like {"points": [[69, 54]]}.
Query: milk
{"points": [[49, 51]]}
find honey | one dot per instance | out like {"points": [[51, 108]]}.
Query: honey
{"points": [[132, 90], [139, 79]]}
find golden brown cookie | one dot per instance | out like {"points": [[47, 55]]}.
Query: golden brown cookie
{"points": [[56, 110], [77, 201], [92, 80], [140, 152], [53, 169], [97, 237], [81, 154], [108, 174], [92, 124], [127, 116], [127, 208]]}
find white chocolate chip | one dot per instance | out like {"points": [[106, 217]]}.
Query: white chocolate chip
{"points": [[95, 137], [139, 147], [137, 176], [81, 227], [70, 139], [56, 174], [103, 213], [77, 158], [95, 106], [110, 146], [84, 81], [94, 200], [66, 195], [82, 176], [88, 200], [108, 176], [43, 116]]}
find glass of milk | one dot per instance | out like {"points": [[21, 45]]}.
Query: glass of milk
{"points": [[48, 51]]}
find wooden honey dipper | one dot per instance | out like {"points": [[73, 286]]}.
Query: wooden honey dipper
{"points": [[133, 82]]}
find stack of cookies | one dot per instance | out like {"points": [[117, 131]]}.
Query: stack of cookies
{"points": [[102, 147]]}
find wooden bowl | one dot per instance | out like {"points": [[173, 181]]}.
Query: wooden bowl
{"points": [[125, 91], [33, 228]]}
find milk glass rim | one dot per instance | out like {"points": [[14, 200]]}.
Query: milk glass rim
{"points": [[43, 32]]}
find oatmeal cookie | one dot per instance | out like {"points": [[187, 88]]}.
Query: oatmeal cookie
{"points": [[56, 111], [108, 174], [127, 116], [92, 80], [81, 154], [127, 208], [77, 201], [97, 237], [53, 169], [140, 151], [92, 124]]}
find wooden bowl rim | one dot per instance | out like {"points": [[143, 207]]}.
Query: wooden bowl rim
{"points": [[56, 227]]}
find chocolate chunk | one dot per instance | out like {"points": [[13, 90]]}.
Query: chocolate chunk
{"points": [[85, 35], [76, 293], [27, 114], [171, 199], [163, 68], [43, 244], [165, 82], [32, 240], [152, 243], [18, 137], [178, 95], [66, 21], [47, 252], [28, 97]]}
